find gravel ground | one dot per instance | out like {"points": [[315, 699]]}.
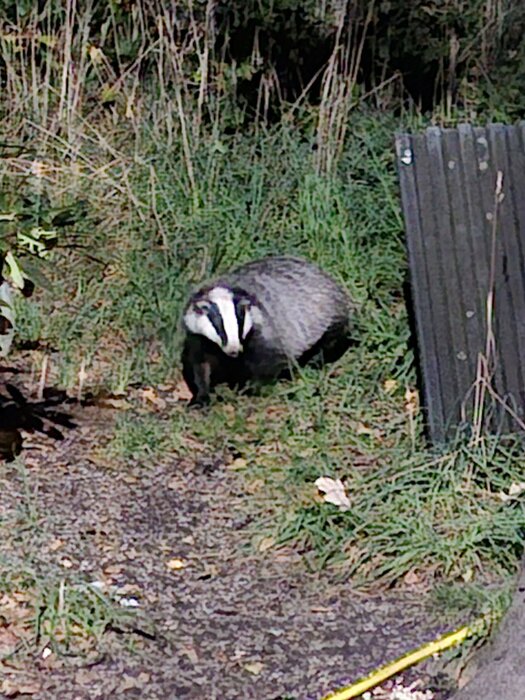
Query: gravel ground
{"points": [[214, 619]]}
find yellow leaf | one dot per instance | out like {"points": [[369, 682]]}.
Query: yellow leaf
{"points": [[265, 544], [390, 385], [176, 564], [411, 400], [238, 463], [254, 667]]}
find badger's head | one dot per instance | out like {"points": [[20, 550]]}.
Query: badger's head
{"points": [[223, 315]]}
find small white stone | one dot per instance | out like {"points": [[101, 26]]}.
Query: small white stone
{"points": [[129, 603]]}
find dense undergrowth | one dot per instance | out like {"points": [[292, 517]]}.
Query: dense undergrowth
{"points": [[159, 198]]}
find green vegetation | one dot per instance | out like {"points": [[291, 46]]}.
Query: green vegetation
{"points": [[158, 183]]}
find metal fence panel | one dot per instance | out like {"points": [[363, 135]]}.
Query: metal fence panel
{"points": [[462, 236]]}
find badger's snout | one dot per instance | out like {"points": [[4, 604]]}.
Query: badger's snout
{"points": [[233, 352]]}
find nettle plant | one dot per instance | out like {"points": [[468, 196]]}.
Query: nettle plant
{"points": [[29, 228]]}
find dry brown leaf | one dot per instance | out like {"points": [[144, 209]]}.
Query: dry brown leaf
{"points": [[363, 429], [390, 385], [114, 401], [265, 544], [12, 687], [412, 578], [411, 401], [150, 395], [181, 392], [254, 486], [276, 411], [238, 463], [8, 640]]}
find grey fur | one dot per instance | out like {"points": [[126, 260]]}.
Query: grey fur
{"points": [[304, 314]]}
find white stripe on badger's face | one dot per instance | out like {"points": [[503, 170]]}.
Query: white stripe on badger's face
{"points": [[223, 298], [197, 321]]}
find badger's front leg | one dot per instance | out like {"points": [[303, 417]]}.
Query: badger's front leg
{"points": [[196, 370]]}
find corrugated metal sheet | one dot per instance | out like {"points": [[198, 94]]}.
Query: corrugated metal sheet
{"points": [[448, 183]]}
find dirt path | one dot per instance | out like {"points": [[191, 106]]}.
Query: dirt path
{"points": [[227, 624]]}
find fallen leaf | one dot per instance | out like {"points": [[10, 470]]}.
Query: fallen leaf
{"points": [[390, 385], [238, 463], [363, 429], [176, 564], [411, 578], [514, 491], [265, 544], [54, 545], [8, 641], [254, 667], [181, 391], [149, 395], [113, 569], [229, 410], [468, 575], [411, 401], [334, 491], [254, 486], [120, 404], [11, 688]]}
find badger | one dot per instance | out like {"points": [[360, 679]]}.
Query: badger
{"points": [[255, 323]]}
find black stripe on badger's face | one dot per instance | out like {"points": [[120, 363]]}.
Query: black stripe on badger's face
{"points": [[214, 314], [243, 306]]}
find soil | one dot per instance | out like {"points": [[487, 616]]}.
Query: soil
{"points": [[214, 618]]}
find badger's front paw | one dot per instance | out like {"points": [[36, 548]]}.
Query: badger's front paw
{"points": [[199, 401]]}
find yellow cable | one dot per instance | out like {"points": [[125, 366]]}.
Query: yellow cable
{"points": [[413, 657]]}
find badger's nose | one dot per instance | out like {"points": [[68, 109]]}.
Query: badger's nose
{"points": [[233, 351]]}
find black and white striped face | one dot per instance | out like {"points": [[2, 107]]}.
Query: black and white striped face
{"points": [[224, 316]]}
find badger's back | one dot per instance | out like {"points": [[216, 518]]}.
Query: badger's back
{"points": [[299, 302]]}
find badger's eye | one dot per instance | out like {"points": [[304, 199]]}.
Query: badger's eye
{"points": [[202, 308]]}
